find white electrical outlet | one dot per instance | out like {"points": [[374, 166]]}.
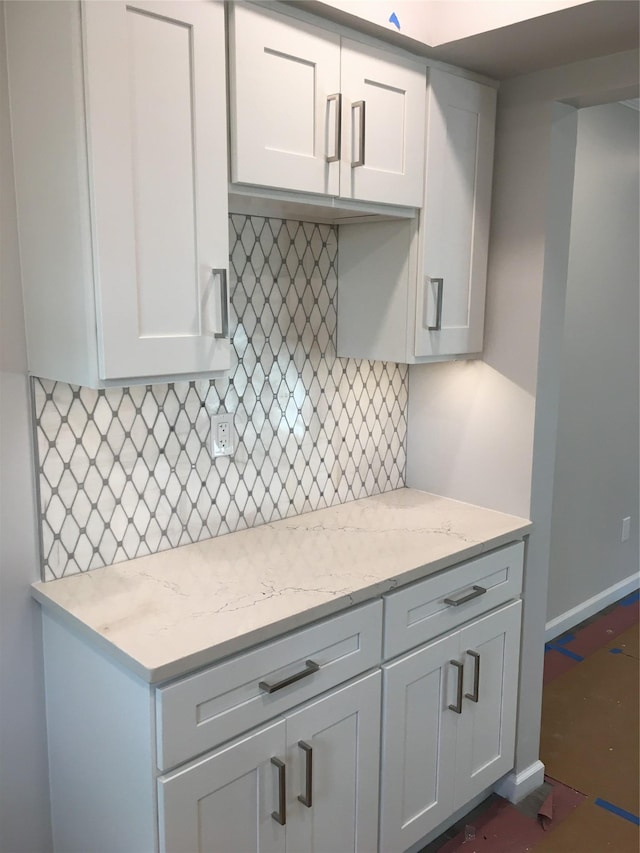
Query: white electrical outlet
{"points": [[222, 435], [626, 528]]}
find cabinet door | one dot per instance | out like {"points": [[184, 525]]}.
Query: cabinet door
{"points": [[156, 112], [283, 74], [418, 745], [489, 649], [455, 220], [383, 126], [224, 802], [333, 751]]}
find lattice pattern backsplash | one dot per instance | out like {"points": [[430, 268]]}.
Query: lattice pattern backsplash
{"points": [[125, 472]]}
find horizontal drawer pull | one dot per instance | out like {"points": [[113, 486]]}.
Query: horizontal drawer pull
{"points": [[422, 611], [216, 704], [477, 592], [310, 668]]}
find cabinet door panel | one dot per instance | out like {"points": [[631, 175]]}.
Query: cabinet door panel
{"points": [[282, 73], [419, 739], [156, 111], [455, 219], [486, 734], [343, 730], [392, 137], [225, 801]]}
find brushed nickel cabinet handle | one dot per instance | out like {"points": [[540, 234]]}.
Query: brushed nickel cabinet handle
{"points": [[460, 667], [280, 816], [476, 677], [456, 602], [309, 668], [307, 798], [361, 107], [224, 304], [439, 283], [337, 134]]}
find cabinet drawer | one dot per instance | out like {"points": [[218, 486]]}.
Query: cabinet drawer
{"points": [[423, 610], [212, 706]]}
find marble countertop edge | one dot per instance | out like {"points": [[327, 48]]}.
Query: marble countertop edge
{"points": [[155, 671]]}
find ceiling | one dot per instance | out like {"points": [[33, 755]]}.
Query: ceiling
{"points": [[570, 35], [580, 32]]}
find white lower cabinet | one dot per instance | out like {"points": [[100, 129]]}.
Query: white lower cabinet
{"points": [[341, 791], [419, 738], [361, 732], [306, 782], [224, 801], [449, 714], [489, 650]]}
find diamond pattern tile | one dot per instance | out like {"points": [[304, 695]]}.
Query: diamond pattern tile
{"points": [[125, 472]]}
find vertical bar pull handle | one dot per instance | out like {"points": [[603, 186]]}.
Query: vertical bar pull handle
{"points": [[224, 304], [439, 283], [307, 798], [460, 667], [337, 133], [476, 677], [280, 816], [361, 107]]}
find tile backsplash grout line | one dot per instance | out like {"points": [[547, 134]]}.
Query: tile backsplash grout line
{"points": [[125, 472]]}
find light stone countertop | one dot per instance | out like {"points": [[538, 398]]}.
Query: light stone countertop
{"points": [[166, 614]]}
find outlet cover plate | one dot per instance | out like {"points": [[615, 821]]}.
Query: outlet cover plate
{"points": [[223, 436], [626, 528]]}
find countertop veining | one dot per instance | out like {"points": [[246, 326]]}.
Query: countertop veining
{"points": [[166, 614]]}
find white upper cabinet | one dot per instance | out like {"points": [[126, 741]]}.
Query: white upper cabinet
{"points": [[412, 293], [383, 121], [316, 113], [131, 158], [454, 236], [157, 130], [285, 98]]}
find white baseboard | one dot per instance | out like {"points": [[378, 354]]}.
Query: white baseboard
{"points": [[583, 611], [515, 786]]}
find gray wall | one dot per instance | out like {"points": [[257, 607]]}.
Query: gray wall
{"points": [[596, 474], [24, 798]]}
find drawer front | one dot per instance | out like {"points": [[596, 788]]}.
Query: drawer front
{"points": [[424, 610], [206, 709]]}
